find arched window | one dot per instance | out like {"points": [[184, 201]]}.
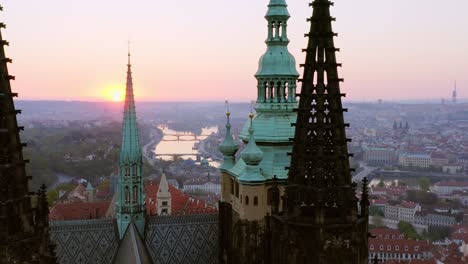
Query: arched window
{"points": [[127, 195], [247, 200], [237, 189], [135, 170], [127, 171], [135, 194], [255, 201]]}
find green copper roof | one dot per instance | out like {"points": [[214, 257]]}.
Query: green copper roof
{"points": [[271, 127], [277, 76], [277, 60], [252, 155], [228, 147], [130, 149], [277, 8], [89, 187]]}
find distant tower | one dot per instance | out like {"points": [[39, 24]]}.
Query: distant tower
{"points": [[320, 221], [454, 94], [131, 203], [395, 125], [163, 197], [246, 182], [90, 192], [24, 236]]}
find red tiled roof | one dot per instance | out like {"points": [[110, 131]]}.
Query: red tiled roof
{"points": [[386, 233], [408, 204], [181, 203], [78, 211], [397, 245]]}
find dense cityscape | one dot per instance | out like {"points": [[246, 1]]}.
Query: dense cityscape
{"points": [[298, 175], [414, 154]]}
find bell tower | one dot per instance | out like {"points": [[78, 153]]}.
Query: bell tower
{"points": [[245, 200]]}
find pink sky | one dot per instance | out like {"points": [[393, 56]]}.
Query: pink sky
{"points": [[208, 50]]}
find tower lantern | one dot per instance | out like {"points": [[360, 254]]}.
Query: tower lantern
{"points": [[277, 74]]}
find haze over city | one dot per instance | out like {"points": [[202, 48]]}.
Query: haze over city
{"points": [[208, 50]]}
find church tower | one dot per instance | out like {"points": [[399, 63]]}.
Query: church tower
{"points": [[130, 206], [321, 221], [24, 234], [245, 201], [163, 197]]}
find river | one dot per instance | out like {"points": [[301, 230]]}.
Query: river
{"points": [[185, 145]]}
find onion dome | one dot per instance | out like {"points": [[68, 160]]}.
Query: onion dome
{"points": [[228, 147], [252, 155]]}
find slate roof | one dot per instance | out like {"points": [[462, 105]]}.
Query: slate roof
{"points": [[84, 241], [184, 239], [188, 239], [132, 249]]}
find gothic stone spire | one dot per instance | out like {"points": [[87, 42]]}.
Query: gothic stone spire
{"points": [[320, 219], [23, 230]]}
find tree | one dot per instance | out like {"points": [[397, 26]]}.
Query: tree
{"points": [[424, 184], [408, 230]]}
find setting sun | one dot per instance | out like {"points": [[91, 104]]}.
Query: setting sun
{"points": [[114, 93]]}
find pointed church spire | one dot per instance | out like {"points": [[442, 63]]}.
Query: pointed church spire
{"points": [[131, 205], [130, 150], [21, 226], [320, 218], [228, 147], [320, 153]]}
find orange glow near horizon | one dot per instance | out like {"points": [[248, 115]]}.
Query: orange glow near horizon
{"points": [[114, 93]]}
